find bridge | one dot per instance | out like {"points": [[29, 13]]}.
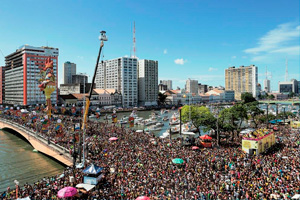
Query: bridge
{"points": [[38, 142]]}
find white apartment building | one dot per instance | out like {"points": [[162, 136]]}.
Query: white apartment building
{"points": [[267, 86], [192, 86], [69, 69], [22, 75], [168, 83], [147, 82], [119, 74]]}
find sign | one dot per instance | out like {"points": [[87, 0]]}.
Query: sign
{"points": [[92, 180]]}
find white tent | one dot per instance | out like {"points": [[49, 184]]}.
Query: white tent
{"points": [[87, 187], [296, 196]]}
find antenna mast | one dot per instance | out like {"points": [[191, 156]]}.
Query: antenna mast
{"points": [[134, 56], [266, 72], [286, 70]]}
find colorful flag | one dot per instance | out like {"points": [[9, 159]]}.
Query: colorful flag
{"points": [[77, 126], [131, 121]]}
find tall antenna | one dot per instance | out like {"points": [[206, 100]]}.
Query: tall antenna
{"points": [[286, 70], [134, 56], [266, 72]]}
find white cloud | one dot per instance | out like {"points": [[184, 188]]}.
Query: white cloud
{"points": [[244, 57], [258, 58], [276, 39], [165, 51], [233, 57], [180, 61], [212, 69], [288, 50]]}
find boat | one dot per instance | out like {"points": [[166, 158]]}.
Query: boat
{"points": [[166, 118], [92, 116], [123, 122], [165, 135], [154, 128], [174, 122], [159, 124]]}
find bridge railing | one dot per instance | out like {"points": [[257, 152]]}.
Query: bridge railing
{"points": [[57, 148]]}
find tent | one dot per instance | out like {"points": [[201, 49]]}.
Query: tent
{"points": [[85, 186], [296, 196], [92, 169]]}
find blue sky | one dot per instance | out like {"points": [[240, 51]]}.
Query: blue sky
{"points": [[190, 39]]}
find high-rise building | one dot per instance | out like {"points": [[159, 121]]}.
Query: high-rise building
{"points": [[2, 80], [79, 78], [69, 69], [119, 74], [288, 86], [168, 83], [192, 86], [147, 82], [267, 85], [241, 80], [202, 89], [22, 75]]}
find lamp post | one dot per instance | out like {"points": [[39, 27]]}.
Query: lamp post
{"points": [[283, 114], [102, 38]]}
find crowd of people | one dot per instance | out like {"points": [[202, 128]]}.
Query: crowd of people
{"points": [[139, 164]]}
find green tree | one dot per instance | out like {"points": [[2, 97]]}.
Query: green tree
{"points": [[253, 110], [199, 116], [247, 97]]}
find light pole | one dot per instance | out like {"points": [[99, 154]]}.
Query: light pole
{"points": [[102, 39], [283, 114]]}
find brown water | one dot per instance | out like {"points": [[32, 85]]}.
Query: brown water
{"points": [[19, 162]]}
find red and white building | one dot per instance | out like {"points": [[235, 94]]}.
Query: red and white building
{"points": [[22, 74]]}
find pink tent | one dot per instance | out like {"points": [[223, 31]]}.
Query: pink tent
{"points": [[113, 139], [195, 147], [142, 198], [67, 192]]}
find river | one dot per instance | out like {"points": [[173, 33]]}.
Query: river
{"points": [[19, 162]]}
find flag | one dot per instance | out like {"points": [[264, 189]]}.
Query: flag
{"points": [[114, 118], [97, 113], [73, 110], [63, 110], [77, 126], [131, 121]]}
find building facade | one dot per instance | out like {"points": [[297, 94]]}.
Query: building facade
{"points": [[147, 82], [22, 75], [77, 88], [2, 80], [192, 86], [168, 83], [202, 89], [69, 69], [288, 86], [267, 86], [119, 74], [80, 78], [241, 80]]}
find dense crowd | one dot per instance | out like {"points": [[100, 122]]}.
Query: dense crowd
{"points": [[139, 164]]}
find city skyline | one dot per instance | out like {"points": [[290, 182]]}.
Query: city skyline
{"points": [[196, 40]]}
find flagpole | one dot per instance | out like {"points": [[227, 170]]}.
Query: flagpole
{"points": [[87, 105]]}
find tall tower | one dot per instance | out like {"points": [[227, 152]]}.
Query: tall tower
{"points": [[134, 55], [286, 70]]}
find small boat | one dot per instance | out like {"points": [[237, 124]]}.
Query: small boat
{"points": [[159, 124], [154, 128], [165, 135], [92, 116], [174, 122], [123, 122], [166, 118]]}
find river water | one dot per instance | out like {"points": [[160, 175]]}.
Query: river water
{"points": [[19, 162]]}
